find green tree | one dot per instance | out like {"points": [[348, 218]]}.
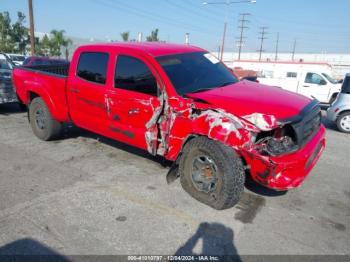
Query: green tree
{"points": [[66, 44], [43, 46], [57, 41], [20, 34], [125, 36], [13, 37], [153, 37], [6, 41]]}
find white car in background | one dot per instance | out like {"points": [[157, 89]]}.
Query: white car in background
{"points": [[339, 111], [16, 58]]}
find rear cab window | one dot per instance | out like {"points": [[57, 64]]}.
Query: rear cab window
{"points": [[132, 74], [92, 67]]}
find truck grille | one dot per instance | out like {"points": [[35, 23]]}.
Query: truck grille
{"points": [[310, 127], [307, 124]]}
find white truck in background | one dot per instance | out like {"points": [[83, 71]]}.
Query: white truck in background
{"points": [[313, 80]]}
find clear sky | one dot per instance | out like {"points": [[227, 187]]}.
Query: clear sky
{"points": [[317, 25]]}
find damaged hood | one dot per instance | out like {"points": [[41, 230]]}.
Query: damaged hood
{"points": [[248, 98]]}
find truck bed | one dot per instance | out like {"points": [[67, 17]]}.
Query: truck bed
{"points": [[46, 81], [60, 70]]}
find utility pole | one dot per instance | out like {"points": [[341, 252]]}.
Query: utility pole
{"points": [[223, 42], [277, 43], [262, 38], [227, 3], [242, 27], [31, 27], [294, 47]]}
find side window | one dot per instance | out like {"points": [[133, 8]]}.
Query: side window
{"points": [[312, 78], [292, 74], [132, 74], [93, 67], [265, 74]]}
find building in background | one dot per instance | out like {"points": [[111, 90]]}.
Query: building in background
{"points": [[340, 63]]}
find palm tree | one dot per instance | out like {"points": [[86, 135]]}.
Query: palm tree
{"points": [[67, 42], [125, 36], [153, 37], [57, 41]]}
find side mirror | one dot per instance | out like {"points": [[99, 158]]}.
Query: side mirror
{"points": [[323, 82]]}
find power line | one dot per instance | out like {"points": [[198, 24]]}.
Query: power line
{"points": [[147, 15], [243, 21], [302, 23], [189, 11], [262, 38]]}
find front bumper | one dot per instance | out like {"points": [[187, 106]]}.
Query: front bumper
{"points": [[287, 171], [331, 114]]}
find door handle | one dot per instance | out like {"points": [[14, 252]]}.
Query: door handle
{"points": [[133, 111], [306, 86], [75, 90]]}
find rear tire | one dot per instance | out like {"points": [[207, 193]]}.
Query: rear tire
{"points": [[43, 125], [343, 122], [218, 163]]}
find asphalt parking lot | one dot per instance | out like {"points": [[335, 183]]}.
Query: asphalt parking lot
{"points": [[86, 194]]}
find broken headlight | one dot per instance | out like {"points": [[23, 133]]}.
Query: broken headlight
{"points": [[276, 142]]}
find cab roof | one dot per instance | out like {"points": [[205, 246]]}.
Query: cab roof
{"points": [[152, 48]]}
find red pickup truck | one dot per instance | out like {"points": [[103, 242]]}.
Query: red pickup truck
{"points": [[180, 102]]}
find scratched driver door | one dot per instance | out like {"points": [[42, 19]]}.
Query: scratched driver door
{"points": [[133, 103]]}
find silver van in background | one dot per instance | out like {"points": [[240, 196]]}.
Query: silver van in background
{"points": [[339, 111]]}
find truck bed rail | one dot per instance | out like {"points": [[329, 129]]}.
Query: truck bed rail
{"points": [[59, 70]]}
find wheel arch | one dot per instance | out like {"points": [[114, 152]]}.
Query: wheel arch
{"points": [[342, 112], [45, 96], [194, 135]]}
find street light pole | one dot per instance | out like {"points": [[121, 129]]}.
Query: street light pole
{"points": [[227, 2]]}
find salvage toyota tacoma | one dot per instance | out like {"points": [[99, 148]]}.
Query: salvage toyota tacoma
{"points": [[180, 102]]}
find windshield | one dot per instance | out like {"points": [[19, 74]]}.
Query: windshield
{"points": [[330, 79], [195, 72]]}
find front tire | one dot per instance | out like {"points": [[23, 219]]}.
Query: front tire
{"points": [[43, 125], [212, 173], [343, 122]]}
